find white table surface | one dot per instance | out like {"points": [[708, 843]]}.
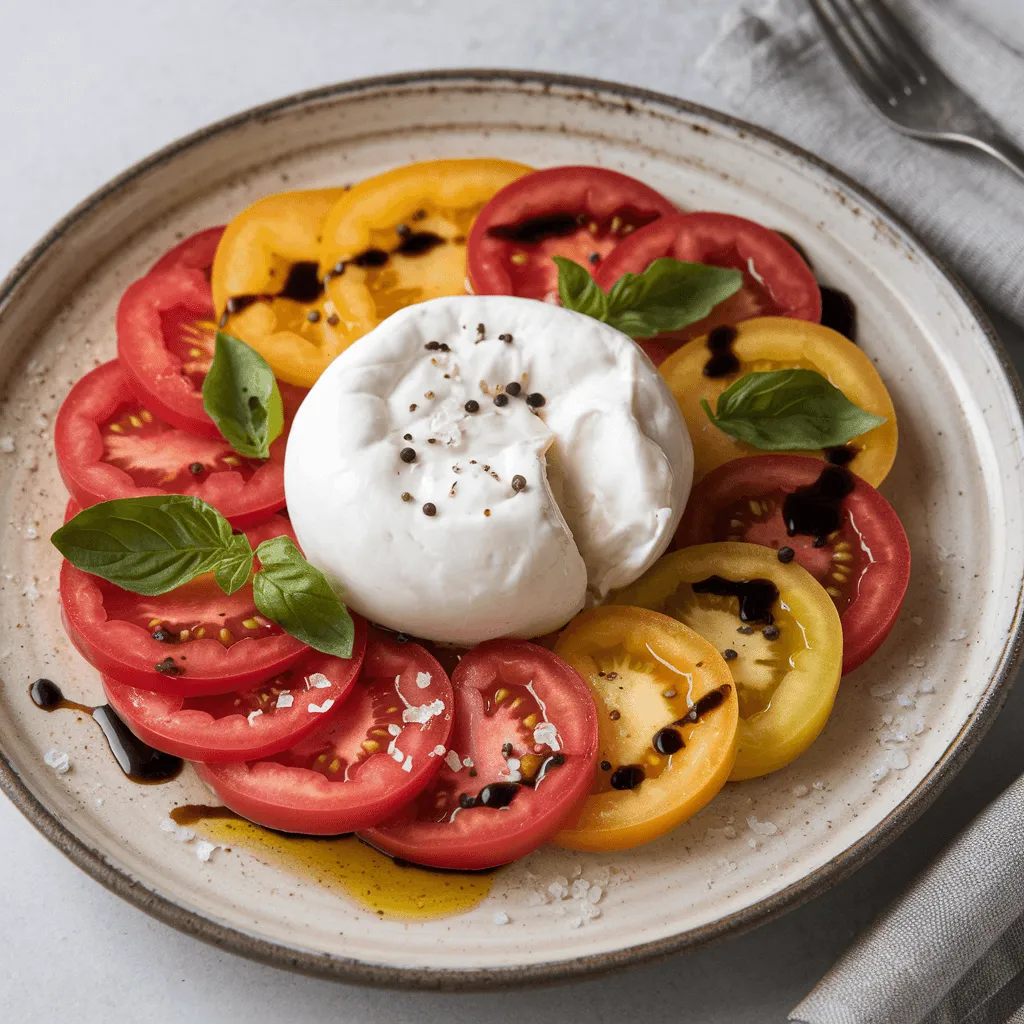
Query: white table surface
{"points": [[87, 89]]}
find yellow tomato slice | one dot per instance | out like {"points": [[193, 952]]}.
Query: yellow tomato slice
{"points": [[779, 343], [647, 673], [400, 237], [786, 680], [269, 252]]}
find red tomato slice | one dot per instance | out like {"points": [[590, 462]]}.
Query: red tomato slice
{"points": [[521, 762], [110, 445], [165, 336], [582, 213], [862, 557], [195, 253], [193, 641], [776, 280], [381, 749], [245, 724]]}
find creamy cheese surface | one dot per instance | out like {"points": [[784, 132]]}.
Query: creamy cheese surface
{"points": [[569, 476]]}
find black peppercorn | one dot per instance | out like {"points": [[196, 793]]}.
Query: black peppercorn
{"points": [[313, 316], [501, 400], [729, 654], [196, 468], [514, 389], [535, 400], [518, 483], [770, 632], [786, 555], [472, 405], [430, 509], [407, 454]]}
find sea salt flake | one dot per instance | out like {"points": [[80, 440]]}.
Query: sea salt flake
{"points": [[959, 635], [422, 680], [31, 591], [905, 701], [501, 917], [879, 772], [453, 760], [6, 444], [594, 894], [31, 533], [559, 889], [761, 828], [318, 681], [204, 849], [897, 759], [467, 762], [438, 751], [284, 700], [726, 866], [394, 730], [588, 912], [546, 734], [407, 763], [927, 686], [253, 715], [424, 713], [58, 760], [800, 790], [579, 888], [319, 709]]}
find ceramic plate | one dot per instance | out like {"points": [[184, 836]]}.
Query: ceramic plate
{"points": [[902, 726]]}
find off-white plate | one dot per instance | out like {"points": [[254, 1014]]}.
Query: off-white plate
{"points": [[902, 725]]}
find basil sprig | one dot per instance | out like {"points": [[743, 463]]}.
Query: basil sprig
{"points": [[154, 544], [241, 396], [669, 295], [789, 410]]}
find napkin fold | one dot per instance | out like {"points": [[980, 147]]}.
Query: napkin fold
{"points": [[774, 68], [951, 949]]}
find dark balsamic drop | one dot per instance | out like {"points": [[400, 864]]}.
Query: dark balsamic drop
{"points": [[139, 761], [711, 700], [756, 597], [370, 258], [722, 362], [817, 509], [192, 814], [239, 302], [842, 455], [536, 229], [415, 243], [303, 283], [627, 776], [839, 312], [497, 794], [667, 741]]}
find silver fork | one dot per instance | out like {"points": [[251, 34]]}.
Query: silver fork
{"points": [[907, 86]]}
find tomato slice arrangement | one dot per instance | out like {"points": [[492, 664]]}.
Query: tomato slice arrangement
{"points": [[776, 343], [776, 279], [379, 752], [839, 528], [193, 253], [521, 761], [245, 724], [667, 714], [110, 445], [583, 213], [194, 640], [777, 629], [400, 237], [267, 289]]}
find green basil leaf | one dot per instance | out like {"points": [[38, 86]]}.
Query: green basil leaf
{"points": [[298, 597], [789, 410], [152, 545], [668, 296], [241, 396], [578, 291]]}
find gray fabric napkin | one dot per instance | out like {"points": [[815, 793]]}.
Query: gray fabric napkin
{"points": [[951, 950], [773, 68]]}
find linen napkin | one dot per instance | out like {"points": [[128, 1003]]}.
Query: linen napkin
{"points": [[951, 949], [773, 67]]}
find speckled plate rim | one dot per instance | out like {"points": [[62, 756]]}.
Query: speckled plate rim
{"points": [[194, 923]]}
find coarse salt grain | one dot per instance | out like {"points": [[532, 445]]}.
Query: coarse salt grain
{"points": [[422, 680], [204, 849], [800, 789], [58, 760], [453, 761], [959, 635], [546, 734], [897, 759], [319, 709], [318, 681], [905, 700], [253, 715], [438, 751], [879, 773], [31, 533], [501, 917], [579, 888], [424, 713], [927, 686], [594, 894], [761, 828], [6, 444], [285, 700]]}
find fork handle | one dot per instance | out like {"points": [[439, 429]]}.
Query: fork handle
{"points": [[1003, 150]]}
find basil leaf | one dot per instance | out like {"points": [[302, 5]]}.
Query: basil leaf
{"points": [[241, 396], [789, 410], [668, 296], [153, 544], [578, 291], [295, 595]]}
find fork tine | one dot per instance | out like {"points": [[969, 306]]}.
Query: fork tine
{"points": [[885, 59], [923, 66], [864, 75]]}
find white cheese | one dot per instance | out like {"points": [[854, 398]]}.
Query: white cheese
{"points": [[606, 460]]}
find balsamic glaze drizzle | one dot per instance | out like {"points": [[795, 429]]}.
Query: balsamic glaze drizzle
{"points": [[722, 362], [711, 700], [817, 509], [756, 596], [537, 229], [139, 761], [842, 455], [839, 312]]}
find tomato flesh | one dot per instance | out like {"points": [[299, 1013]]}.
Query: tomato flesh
{"points": [[194, 253], [521, 761], [194, 640], [776, 279], [863, 564], [109, 445], [244, 724], [381, 749], [582, 213]]}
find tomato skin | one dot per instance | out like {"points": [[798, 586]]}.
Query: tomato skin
{"points": [[774, 343], [480, 837], [157, 376], [879, 589], [594, 193], [633, 709], [126, 651], [81, 445], [787, 286], [285, 793], [194, 253], [212, 729]]}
